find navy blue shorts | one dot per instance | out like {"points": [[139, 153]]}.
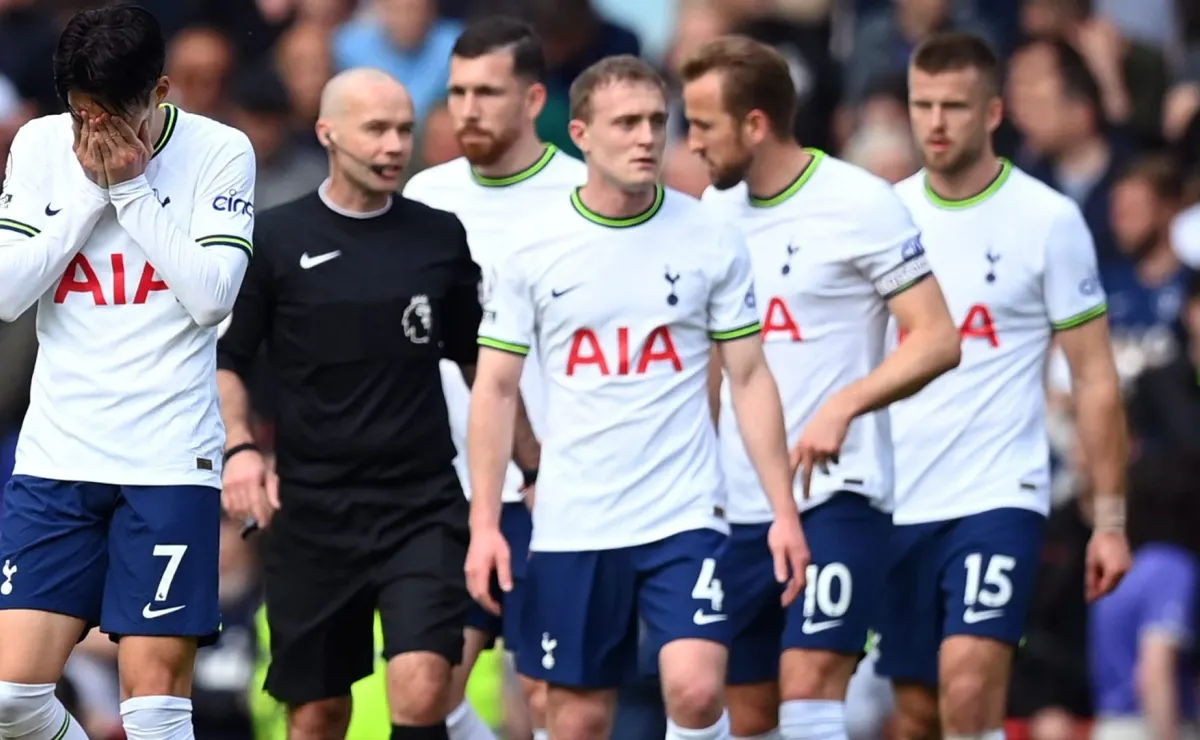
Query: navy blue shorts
{"points": [[135, 560], [839, 601], [580, 620], [517, 525], [968, 576]]}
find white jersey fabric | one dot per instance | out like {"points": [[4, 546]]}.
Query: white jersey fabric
{"points": [[1016, 263], [130, 284], [496, 212], [623, 314], [828, 252]]}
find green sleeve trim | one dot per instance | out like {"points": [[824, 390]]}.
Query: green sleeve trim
{"points": [[510, 347], [7, 224], [226, 240], [1080, 319], [745, 331]]}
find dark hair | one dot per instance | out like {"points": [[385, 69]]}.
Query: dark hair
{"points": [[260, 91], [1078, 82], [953, 51], [620, 68], [1160, 171], [504, 33], [114, 54], [754, 76]]}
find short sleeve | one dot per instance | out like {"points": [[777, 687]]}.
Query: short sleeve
{"points": [[250, 322], [223, 215], [508, 309], [732, 313], [463, 310], [1070, 281], [22, 201], [1170, 607]]}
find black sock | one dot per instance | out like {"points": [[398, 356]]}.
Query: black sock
{"points": [[428, 732]]}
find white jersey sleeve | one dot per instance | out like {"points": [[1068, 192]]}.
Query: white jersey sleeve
{"points": [[731, 307], [224, 210], [508, 311], [895, 266], [1070, 280], [37, 242]]}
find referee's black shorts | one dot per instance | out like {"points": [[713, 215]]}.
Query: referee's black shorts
{"points": [[335, 556]]}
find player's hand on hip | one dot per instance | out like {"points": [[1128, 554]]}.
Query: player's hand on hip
{"points": [[530, 494], [126, 152], [488, 554], [820, 442], [87, 148], [1108, 561], [245, 485], [789, 549]]}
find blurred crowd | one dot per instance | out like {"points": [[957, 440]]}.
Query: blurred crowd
{"points": [[1102, 99]]}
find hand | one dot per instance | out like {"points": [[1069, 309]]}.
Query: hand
{"points": [[530, 493], [488, 554], [820, 442], [87, 149], [249, 489], [125, 152], [1108, 561], [790, 552]]}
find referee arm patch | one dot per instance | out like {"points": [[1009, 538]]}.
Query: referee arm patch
{"points": [[228, 240], [903, 276]]}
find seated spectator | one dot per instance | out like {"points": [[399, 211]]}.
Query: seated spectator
{"points": [[200, 64], [886, 152], [1140, 637], [304, 61]]}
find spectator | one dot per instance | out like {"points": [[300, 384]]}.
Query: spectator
{"points": [[1140, 637], [199, 63], [1055, 103], [1145, 294], [27, 41], [304, 61], [438, 144], [1165, 402], [884, 151], [406, 39], [286, 170]]}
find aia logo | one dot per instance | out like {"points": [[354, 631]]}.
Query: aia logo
{"points": [[81, 277], [622, 357]]}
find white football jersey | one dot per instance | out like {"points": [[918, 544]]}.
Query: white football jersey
{"points": [[124, 390], [828, 252], [623, 314], [1016, 263], [488, 208]]}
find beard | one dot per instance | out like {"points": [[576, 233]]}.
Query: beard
{"points": [[485, 147], [730, 175], [954, 163]]}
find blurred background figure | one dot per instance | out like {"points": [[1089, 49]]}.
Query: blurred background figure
{"points": [[200, 64]]}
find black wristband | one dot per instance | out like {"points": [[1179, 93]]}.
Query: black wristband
{"points": [[530, 476], [240, 448]]}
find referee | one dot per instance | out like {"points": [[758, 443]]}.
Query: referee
{"points": [[357, 295]]}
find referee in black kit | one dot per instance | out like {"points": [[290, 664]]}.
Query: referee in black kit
{"points": [[357, 294]]}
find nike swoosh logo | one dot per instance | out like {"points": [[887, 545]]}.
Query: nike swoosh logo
{"points": [[701, 618], [811, 628], [561, 293], [307, 263], [149, 613], [50, 211], [970, 616]]}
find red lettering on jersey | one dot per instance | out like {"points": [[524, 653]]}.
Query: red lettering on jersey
{"points": [[586, 349], [90, 283], [977, 325], [779, 319]]}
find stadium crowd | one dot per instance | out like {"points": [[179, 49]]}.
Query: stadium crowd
{"points": [[1103, 103]]}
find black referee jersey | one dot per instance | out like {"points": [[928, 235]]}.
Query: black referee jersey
{"points": [[355, 314]]}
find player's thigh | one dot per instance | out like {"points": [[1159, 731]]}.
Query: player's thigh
{"points": [[579, 620], [826, 629], [756, 617], [908, 615], [683, 605], [164, 563], [320, 613]]}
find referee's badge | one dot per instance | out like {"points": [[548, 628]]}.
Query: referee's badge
{"points": [[417, 319]]}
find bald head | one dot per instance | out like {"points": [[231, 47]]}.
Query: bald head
{"points": [[354, 89]]}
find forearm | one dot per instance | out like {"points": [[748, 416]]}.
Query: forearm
{"points": [[31, 261], [205, 280], [527, 451], [1157, 694], [1100, 423], [760, 419], [715, 376], [489, 450], [922, 356], [235, 408]]}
